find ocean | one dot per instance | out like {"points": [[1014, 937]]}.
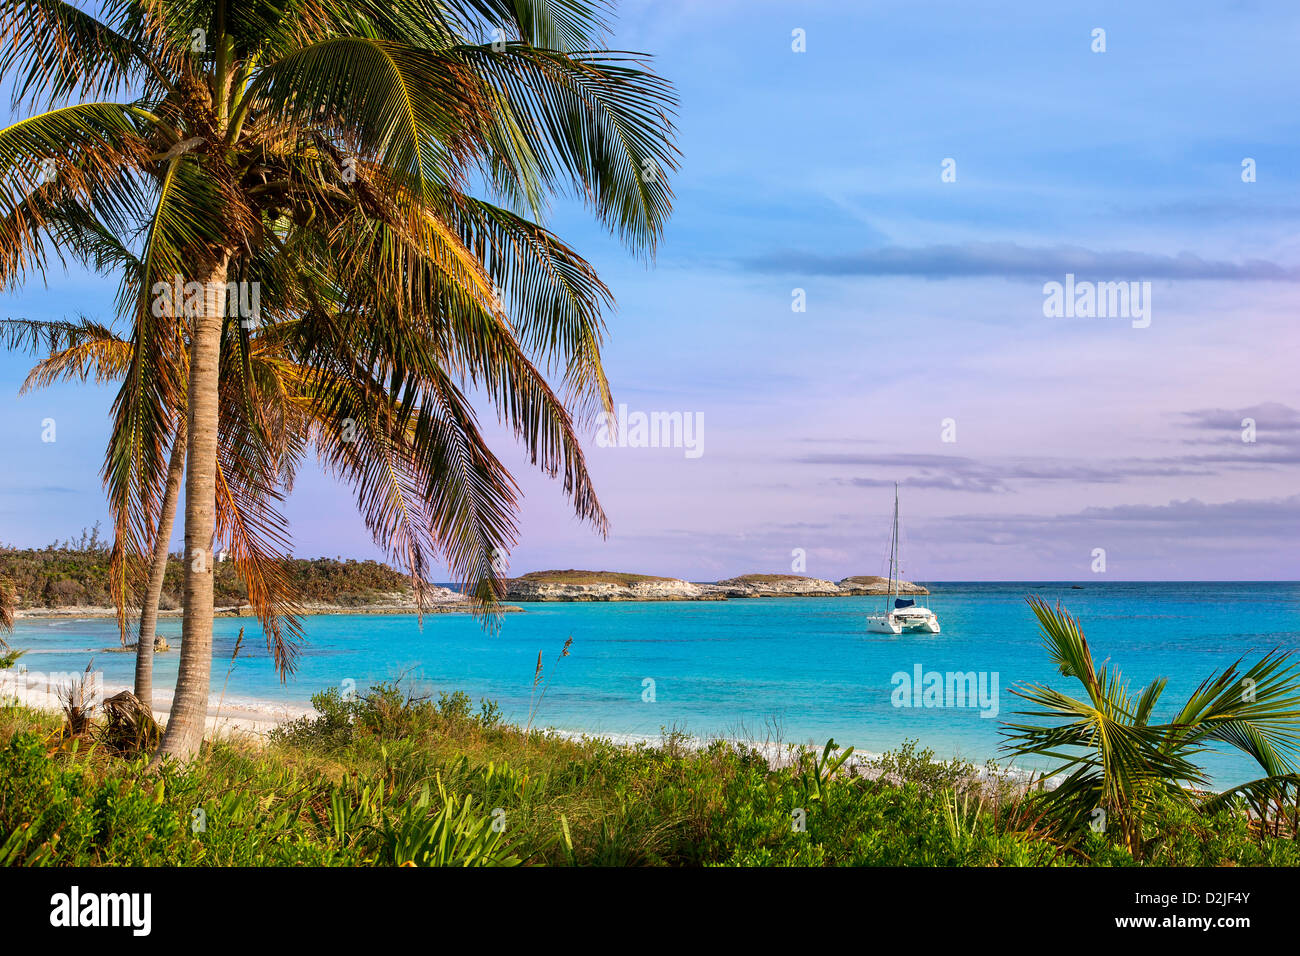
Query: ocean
{"points": [[797, 670]]}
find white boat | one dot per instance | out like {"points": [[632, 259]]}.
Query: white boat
{"points": [[900, 614]]}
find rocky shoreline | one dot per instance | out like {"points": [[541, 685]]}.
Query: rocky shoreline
{"points": [[542, 586], [617, 586]]}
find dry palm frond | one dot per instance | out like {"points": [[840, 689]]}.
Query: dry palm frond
{"points": [[78, 700], [129, 727]]}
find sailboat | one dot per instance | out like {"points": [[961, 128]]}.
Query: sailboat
{"points": [[900, 614]]}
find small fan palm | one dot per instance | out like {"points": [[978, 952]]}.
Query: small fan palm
{"points": [[1117, 763]]}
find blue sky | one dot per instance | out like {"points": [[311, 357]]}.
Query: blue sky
{"points": [[821, 171]]}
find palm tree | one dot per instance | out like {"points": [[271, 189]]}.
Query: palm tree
{"points": [[329, 148], [1116, 760], [85, 349], [8, 608], [260, 374]]}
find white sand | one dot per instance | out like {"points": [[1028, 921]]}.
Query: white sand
{"points": [[230, 717]]}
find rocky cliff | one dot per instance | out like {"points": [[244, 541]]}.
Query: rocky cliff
{"points": [[777, 585], [875, 584], [600, 586]]}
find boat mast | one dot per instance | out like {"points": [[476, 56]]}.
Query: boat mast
{"points": [[896, 550]]}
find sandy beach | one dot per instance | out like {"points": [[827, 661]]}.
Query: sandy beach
{"points": [[229, 717], [247, 716]]}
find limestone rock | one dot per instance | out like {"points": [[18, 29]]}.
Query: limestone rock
{"points": [[777, 585], [600, 586], [875, 584]]}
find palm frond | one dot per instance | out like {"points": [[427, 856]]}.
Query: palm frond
{"points": [[597, 120], [53, 49], [77, 351]]}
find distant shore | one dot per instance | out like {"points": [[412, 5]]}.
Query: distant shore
{"points": [[573, 585], [534, 587], [407, 607]]}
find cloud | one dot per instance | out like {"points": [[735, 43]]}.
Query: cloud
{"points": [[38, 490], [1009, 260], [1277, 444], [1270, 417], [943, 482], [955, 473], [1244, 539], [1202, 211], [1271, 515], [1277, 518]]}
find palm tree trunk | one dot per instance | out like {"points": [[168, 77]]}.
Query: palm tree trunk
{"points": [[158, 571], [8, 607], [189, 709]]}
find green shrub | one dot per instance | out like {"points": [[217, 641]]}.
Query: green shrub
{"points": [[388, 778]]}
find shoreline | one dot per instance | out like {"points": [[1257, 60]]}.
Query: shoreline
{"points": [[255, 718], [229, 717], [97, 612]]}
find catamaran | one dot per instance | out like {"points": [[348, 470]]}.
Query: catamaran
{"points": [[905, 614]]}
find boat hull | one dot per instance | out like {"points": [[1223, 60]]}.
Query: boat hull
{"points": [[904, 623]]}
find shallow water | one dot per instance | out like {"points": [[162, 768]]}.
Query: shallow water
{"points": [[799, 669]]}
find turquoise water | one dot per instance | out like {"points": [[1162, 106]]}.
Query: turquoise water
{"points": [[800, 669]]}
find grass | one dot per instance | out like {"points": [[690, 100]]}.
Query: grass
{"points": [[386, 779]]}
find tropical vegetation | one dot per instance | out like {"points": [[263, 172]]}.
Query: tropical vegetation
{"points": [[388, 780], [1118, 762], [391, 778], [363, 181], [76, 574], [324, 218]]}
